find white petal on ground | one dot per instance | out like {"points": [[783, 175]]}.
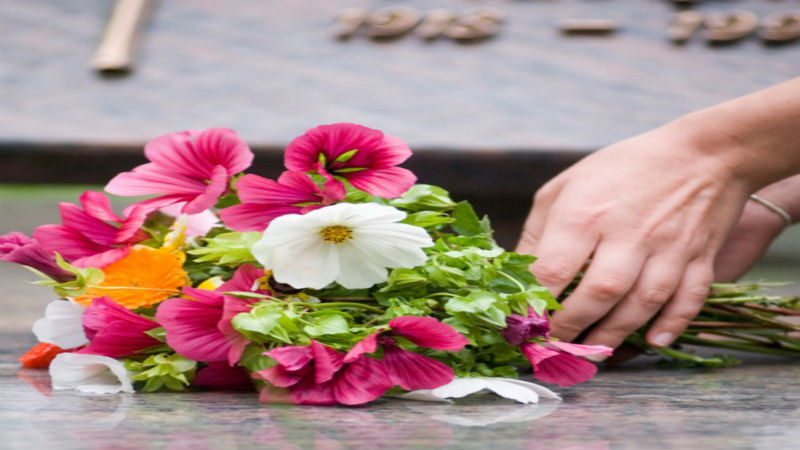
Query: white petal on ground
{"points": [[517, 390], [93, 374], [62, 325], [293, 248], [481, 416]]}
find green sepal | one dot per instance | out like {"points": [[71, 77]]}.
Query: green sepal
{"points": [[424, 197]]}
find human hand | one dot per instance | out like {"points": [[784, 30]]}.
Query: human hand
{"points": [[756, 229], [651, 212]]}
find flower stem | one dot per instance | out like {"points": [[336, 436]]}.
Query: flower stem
{"points": [[514, 280], [689, 339], [374, 309]]}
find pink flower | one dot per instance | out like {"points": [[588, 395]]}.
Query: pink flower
{"points": [[220, 376], [558, 362], [552, 361], [196, 224], [247, 278], [365, 157], [318, 375], [264, 199], [193, 167], [18, 248], [200, 328], [86, 238], [114, 331], [520, 329], [408, 369]]}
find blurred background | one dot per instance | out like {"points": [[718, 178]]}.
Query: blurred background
{"points": [[490, 118]]}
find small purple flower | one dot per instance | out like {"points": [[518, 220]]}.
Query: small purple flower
{"points": [[519, 329]]}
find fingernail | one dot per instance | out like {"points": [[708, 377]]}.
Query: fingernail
{"points": [[663, 339], [596, 358]]}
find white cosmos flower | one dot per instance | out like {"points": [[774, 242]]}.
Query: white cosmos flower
{"points": [[62, 325], [351, 244], [93, 374], [517, 390]]}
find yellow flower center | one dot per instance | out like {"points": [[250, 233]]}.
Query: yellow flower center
{"points": [[336, 234]]}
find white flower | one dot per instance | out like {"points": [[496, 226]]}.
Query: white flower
{"points": [[93, 374], [517, 390], [61, 325], [351, 244]]}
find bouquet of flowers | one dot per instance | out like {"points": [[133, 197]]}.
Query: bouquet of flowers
{"points": [[338, 283]]}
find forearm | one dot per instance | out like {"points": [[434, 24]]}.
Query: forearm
{"points": [[754, 139]]}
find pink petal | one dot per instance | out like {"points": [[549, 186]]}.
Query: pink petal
{"points": [[327, 361], [18, 248], [215, 188], [581, 349], [361, 381], [231, 308], [191, 327], [220, 376], [332, 141], [367, 345], [132, 226], [79, 221], [279, 376], [97, 205], [557, 367], [196, 224], [103, 259], [428, 332], [412, 371], [254, 216], [387, 183], [151, 179], [195, 153], [309, 393], [246, 279], [390, 151], [291, 357], [291, 187], [69, 244], [115, 331]]}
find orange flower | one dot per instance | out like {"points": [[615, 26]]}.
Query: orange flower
{"points": [[151, 275], [39, 356]]}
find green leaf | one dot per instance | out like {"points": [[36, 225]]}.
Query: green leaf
{"points": [[228, 248], [327, 324], [168, 370], [467, 222], [266, 320], [481, 304], [408, 281], [157, 333], [424, 197], [428, 219]]}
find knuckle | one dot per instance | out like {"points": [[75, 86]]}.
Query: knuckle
{"points": [[552, 272], [653, 297], [607, 288]]}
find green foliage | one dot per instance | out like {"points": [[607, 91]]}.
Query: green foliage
{"points": [[163, 370], [424, 197], [227, 248], [84, 278]]}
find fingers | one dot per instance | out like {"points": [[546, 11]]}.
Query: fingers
{"points": [[536, 220], [561, 253], [684, 305], [656, 284], [611, 275]]}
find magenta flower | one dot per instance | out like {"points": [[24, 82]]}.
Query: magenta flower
{"points": [[559, 362], [367, 158], [408, 369], [318, 375], [247, 278], [553, 361], [220, 376], [86, 238], [192, 167], [520, 329], [18, 248], [200, 328], [264, 199], [114, 331]]}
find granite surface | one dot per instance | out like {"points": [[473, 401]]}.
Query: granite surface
{"points": [[634, 406]]}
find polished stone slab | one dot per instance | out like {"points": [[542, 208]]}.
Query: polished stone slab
{"points": [[754, 406]]}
